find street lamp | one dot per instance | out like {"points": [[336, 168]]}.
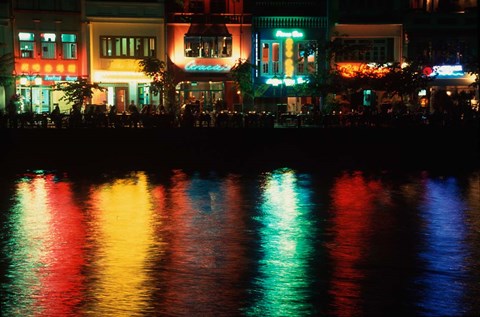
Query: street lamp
{"points": [[30, 81]]}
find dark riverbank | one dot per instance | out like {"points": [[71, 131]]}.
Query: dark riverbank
{"points": [[420, 147]]}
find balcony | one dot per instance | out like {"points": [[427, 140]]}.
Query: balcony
{"points": [[220, 18]]}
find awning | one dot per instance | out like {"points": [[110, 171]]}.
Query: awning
{"points": [[443, 82], [208, 30]]}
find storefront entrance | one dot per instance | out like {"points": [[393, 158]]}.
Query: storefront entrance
{"points": [[208, 96], [34, 99]]}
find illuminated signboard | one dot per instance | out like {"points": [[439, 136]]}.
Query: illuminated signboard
{"points": [[351, 69], [54, 68], [445, 71], [193, 66], [288, 64], [289, 34], [286, 81], [59, 78]]}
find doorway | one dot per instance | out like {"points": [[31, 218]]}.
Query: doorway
{"points": [[121, 98]]}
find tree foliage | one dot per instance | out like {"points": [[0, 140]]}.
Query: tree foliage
{"points": [[241, 74], [163, 80], [403, 80], [6, 60], [78, 92]]}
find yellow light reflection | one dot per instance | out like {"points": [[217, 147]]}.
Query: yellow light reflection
{"points": [[125, 235], [286, 247]]}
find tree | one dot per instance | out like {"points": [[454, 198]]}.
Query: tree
{"points": [[327, 79], [6, 78], [403, 80], [241, 74], [79, 91], [163, 80], [6, 60], [472, 68]]}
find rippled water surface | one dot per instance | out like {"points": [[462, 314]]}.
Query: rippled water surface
{"points": [[278, 242]]}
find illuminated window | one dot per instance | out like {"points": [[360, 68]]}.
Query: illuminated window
{"points": [[265, 57], [48, 45], [69, 46], [208, 46], [127, 47], [27, 44], [271, 63], [306, 57]]}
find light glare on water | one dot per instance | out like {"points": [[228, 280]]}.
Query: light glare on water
{"points": [[268, 243]]}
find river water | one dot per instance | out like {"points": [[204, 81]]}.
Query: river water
{"points": [[263, 242]]}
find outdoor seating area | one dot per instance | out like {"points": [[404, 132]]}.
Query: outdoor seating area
{"points": [[234, 119]]}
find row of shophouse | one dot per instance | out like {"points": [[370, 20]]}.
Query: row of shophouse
{"points": [[54, 41]]}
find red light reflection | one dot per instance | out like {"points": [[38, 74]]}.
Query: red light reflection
{"points": [[352, 199]]}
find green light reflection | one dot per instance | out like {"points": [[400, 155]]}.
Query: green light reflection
{"points": [[286, 233], [27, 249]]}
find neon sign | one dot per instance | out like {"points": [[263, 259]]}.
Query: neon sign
{"points": [[294, 33], [47, 68], [350, 70], [194, 67], [286, 81], [60, 78], [288, 57], [447, 71]]}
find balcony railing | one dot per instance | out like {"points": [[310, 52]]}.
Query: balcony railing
{"points": [[221, 18]]}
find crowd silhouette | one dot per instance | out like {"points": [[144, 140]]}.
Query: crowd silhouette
{"points": [[149, 116]]}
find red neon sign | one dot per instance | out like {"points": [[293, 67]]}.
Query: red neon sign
{"points": [[48, 67]]}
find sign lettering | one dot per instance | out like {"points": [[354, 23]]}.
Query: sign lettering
{"points": [[193, 67]]}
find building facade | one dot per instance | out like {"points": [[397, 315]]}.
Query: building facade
{"points": [[55, 41], [287, 37], [443, 34], [46, 45], [205, 39], [117, 36], [440, 35]]}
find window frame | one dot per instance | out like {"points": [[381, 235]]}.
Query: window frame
{"points": [[380, 50], [47, 45], [67, 43], [220, 46], [271, 67], [128, 47], [21, 45], [308, 66]]}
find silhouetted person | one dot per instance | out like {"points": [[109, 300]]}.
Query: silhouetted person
{"points": [[56, 117]]}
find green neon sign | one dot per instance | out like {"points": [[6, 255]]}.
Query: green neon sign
{"points": [[294, 33]]}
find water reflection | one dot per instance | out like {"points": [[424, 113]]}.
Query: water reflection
{"points": [[121, 215], [353, 203], [444, 251], [45, 237], [274, 243], [287, 232]]}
